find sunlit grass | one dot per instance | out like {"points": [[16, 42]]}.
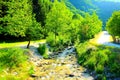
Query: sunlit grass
{"points": [[14, 64], [15, 44], [20, 73]]}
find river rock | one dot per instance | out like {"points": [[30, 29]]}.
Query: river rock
{"points": [[33, 75], [71, 75]]}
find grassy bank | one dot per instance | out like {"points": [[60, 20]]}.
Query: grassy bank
{"points": [[14, 44], [99, 58], [14, 64]]}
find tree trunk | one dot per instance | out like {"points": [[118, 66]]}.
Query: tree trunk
{"points": [[28, 45], [114, 39], [118, 40]]}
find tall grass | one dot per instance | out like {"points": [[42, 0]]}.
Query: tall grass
{"points": [[14, 64], [99, 58], [12, 57]]}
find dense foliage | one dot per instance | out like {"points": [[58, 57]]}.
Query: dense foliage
{"points": [[113, 24], [41, 18], [90, 26], [17, 18], [104, 8], [64, 27], [58, 22]]}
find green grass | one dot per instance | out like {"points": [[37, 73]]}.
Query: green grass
{"points": [[10, 60], [12, 57], [14, 44], [14, 60], [97, 58]]}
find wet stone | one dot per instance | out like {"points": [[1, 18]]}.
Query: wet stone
{"points": [[71, 75], [33, 75]]}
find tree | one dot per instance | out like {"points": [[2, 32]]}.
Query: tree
{"points": [[90, 26], [113, 25], [3, 12], [74, 33], [58, 19], [33, 32], [19, 20], [45, 6]]}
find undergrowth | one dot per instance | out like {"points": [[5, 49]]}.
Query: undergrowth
{"points": [[14, 64], [12, 57], [98, 58]]}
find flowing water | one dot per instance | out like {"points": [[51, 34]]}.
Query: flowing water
{"points": [[63, 66]]}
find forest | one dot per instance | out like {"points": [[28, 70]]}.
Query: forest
{"points": [[103, 8], [59, 40]]}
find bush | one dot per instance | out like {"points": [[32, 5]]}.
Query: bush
{"points": [[12, 57], [90, 62], [51, 39], [82, 52], [43, 50], [99, 68], [114, 65], [59, 43]]}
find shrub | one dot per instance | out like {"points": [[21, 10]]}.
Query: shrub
{"points": [[90, 62], [58, 43], [99, 68], [51, 39], [54, 44], [12, 57], [114, 62], [81, 51], [43, 50]]}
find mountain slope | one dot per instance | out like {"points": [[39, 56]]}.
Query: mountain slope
{"points": [[104, 8]]}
